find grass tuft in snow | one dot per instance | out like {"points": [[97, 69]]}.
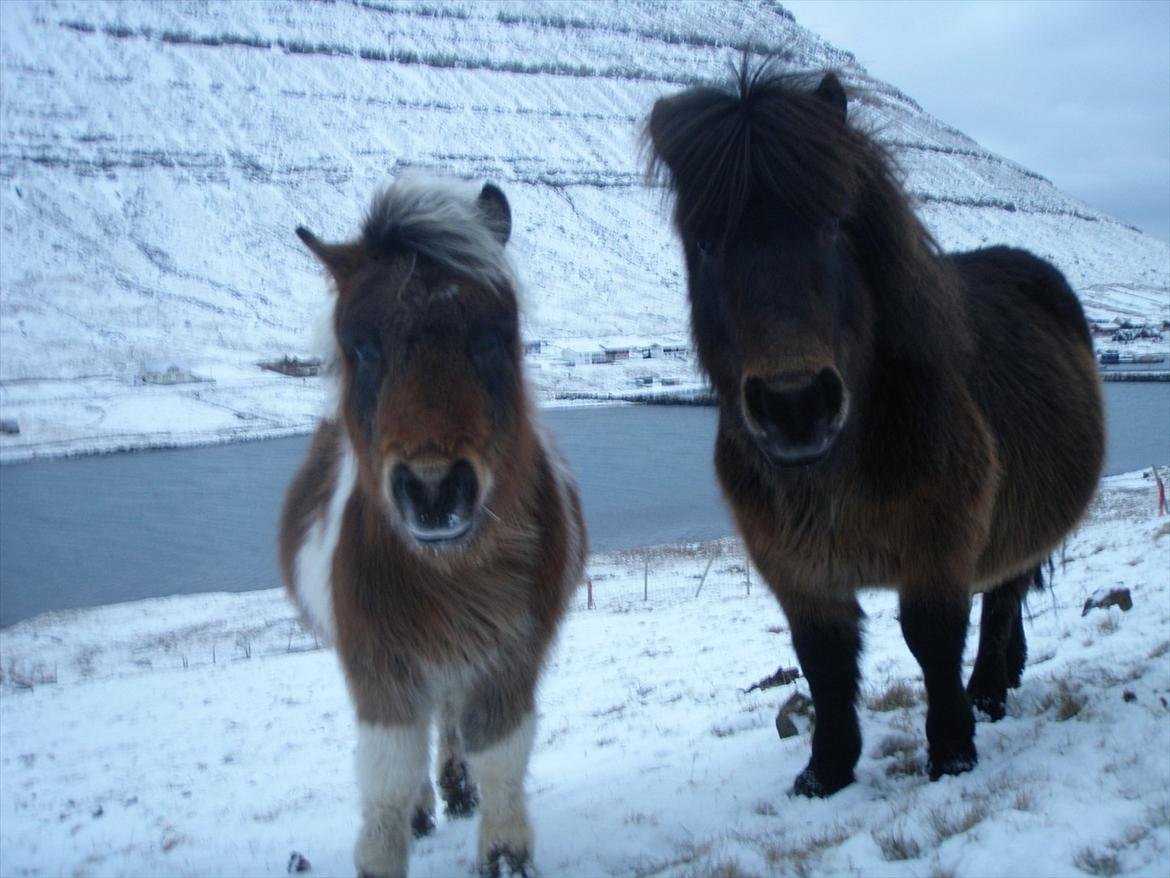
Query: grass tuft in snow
{"points": [[1067, 700], [900, 695], [1094, 862], [946, 822], [897, 846], [800, 858], [1024, 800], [905, 755]]}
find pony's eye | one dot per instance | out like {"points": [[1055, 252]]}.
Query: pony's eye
{"points": [[487, 343], [364, 352]]}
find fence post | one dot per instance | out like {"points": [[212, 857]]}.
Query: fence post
{"points": [[646, 580], [747, 565], [589, 581], [704, 577], [1161, 491]]}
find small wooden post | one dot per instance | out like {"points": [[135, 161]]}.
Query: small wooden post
{"points": [[589, 582], [704, 577], [646, 580], [1161, 491]]}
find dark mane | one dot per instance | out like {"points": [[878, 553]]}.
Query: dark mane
{"points": [[442, 222]]}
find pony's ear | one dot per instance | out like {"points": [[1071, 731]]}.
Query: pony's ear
{"points": [[339, 259], [833, 93], [676, 122], [659, 128], [494, 206]]}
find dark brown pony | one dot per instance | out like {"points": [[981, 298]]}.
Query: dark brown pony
{"points": [[433, 535], [888, 415]]}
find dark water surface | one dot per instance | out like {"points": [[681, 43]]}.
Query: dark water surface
{"points": [[96, 530]]}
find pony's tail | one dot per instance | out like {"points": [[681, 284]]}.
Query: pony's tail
{"points": [[1042, 575]]}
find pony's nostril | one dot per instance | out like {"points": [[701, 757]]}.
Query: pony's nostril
{"points": [[408, 490], [755, 401], [831, 393], [458, 489]]}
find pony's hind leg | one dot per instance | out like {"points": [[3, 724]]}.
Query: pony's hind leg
{"points": [[455, 782], [422, 823], [391, 769], [1002, 646], [935, 628], [828, 642]]}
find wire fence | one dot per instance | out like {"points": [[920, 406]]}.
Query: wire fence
{"points": [[666, 575]]}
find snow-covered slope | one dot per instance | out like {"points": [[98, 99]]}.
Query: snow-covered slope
{"points": [[154, 159]]}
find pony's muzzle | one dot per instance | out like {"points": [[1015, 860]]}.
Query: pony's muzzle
{"points": [[795, 419], [436, 500]]}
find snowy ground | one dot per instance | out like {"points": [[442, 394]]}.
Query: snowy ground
{"points": [[208, 736]]}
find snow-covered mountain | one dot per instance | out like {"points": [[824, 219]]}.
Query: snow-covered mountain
{"points": [[154, 159]]}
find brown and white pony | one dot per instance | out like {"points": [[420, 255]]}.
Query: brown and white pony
{"points": [[888, 414], [434, 534]]}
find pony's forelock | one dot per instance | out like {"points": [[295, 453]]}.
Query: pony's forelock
{"points": [[441, 221], [766, 136]]}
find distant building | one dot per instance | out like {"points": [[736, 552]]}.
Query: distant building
{"points": [[616, 349], [582, 353], [676, 348]]}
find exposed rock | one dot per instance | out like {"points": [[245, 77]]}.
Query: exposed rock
{"points": [[798, 705], [298, 863], [782, 677], [1114, 597]]}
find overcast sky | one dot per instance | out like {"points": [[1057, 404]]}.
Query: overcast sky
{"points": [[1076, 90]]}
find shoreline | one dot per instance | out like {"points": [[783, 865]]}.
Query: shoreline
{"points": [[131, 443], [1136, 375]]}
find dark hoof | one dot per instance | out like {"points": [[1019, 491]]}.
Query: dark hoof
{"points": [[459, 793], [423, 823], [994, 704], [952, 764], [503, 863], [988, 693], [812, 785]]}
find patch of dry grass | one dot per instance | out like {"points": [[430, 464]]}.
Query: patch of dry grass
{"points": [[800, 857], [899, 695], [897, 846], [1066, 700], [1094, 862], [947, 822]]}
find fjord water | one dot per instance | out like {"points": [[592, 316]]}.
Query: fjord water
{"points": [[96, 530]]}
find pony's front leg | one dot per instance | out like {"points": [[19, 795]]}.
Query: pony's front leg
{"points": [[499, 741], [827, 639], [391, 769], [934, 623]]}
